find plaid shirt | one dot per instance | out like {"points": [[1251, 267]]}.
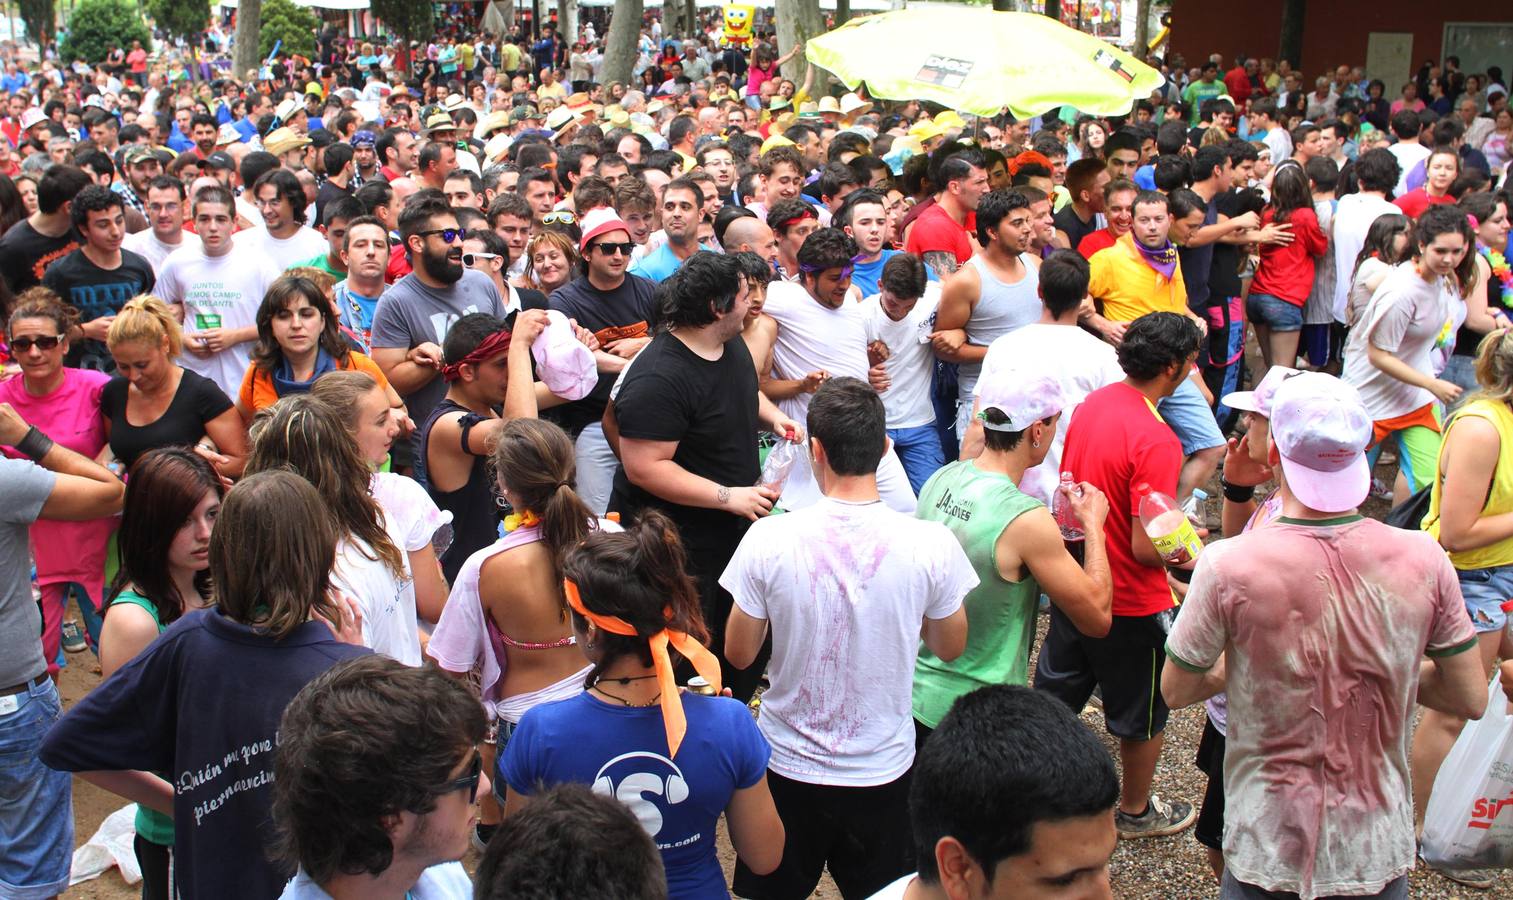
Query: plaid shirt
{"points": [[129, 196]]}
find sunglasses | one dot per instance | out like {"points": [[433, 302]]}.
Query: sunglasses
{"points": [[46, 342], [471, 259], [609, 248], [448, 235], [560, 217], [468, 781]]}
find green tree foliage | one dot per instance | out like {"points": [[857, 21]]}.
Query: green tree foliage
{"points": [[180, 18], [98, 25], [39, 16], [411, 20], [294, 25]]}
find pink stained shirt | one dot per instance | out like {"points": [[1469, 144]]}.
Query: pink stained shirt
{"points": [[70, 415]]}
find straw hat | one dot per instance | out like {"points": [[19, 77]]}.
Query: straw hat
{"points": [[852, 105], [828, 104]]}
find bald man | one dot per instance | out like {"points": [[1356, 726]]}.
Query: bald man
{"points": [[749, 233]]}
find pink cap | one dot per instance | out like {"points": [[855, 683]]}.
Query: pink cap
{"points": [[1321, 429], [1023, 397], [600, 221], [1259, 400]]}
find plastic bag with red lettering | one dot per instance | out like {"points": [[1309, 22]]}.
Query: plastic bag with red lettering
{"points": [[1469, 823]]}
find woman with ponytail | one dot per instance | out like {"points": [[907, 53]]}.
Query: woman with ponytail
{"points": [[677, 759], [507, 617], [154, 402], [1471, 514]]}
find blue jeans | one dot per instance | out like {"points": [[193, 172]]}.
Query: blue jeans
{"points": [[918, 448], [36, 803], [1274, 312]]}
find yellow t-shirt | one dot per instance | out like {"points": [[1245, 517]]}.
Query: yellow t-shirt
{"points": [[1129, 288], [1499, 496]]}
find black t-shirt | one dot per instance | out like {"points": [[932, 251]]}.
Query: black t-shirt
{"points": [[624, 312], [1076, 229], [97, 292], [709, 408], [25, 254], [197, 401], [1224, 274], [1196, 263], [327, 192]]}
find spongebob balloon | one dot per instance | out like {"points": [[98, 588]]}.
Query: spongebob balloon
{"points": [[738, 25]]}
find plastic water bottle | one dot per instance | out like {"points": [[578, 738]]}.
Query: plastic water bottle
{"points": [[1169, 528], [1061, 509], [780, 460], [1194, 510]]}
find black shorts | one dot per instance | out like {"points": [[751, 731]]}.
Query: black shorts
{"points": [[1126, 665], [862, 833], [1210, 828]]}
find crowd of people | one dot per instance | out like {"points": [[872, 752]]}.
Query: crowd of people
{"points": [[455, 450]]}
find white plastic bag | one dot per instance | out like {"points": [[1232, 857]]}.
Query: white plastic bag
{"points": [[110, 846], [1469, 822]]}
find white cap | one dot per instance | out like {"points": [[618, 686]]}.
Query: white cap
{"points": [[1321, 429], [1024, 398]]}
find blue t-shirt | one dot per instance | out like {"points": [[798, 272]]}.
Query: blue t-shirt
{"points": [[621, 751], [866, 276], [202, 703], [658, 265]]}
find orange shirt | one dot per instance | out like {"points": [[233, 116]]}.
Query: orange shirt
{"points": [[257, 385]]}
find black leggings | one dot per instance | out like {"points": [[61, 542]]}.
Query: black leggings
{"points": [[156, 863]]}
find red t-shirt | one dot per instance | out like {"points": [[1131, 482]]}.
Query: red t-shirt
{"points": [[936, 230], [1416, 201], [399, 264], [1116, 441], [1102, 239], [1286, 271]]}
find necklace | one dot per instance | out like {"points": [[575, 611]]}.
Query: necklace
{"points": [[627, 679], [1498, 263], [653, 702]]}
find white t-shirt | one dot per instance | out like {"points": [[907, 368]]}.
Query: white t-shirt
{"points": [[1082, 363], [445, 881], [897, 889], [387, 601], [1408, 156], [911, 359], [1404, 317], [812, 336], [217, 292], [146, 244], [845, 588], [1352, 219], [285, 253]]}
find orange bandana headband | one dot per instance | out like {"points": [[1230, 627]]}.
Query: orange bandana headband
{"points": [[703, 662]]}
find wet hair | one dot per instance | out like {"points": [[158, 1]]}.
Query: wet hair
{"points": [[702, 289], [1183, 202], [92, 198], [1156, 341], [164, 487], [958, 166], [534, 459], [280, 296], [1063, 281], [639, 576], [754, 269], [38, 302], [271, 553], [341, 209], [904, 276], [375, 194], [826, 248], [1004, 759], [467, 333], [835, 177], [993, 208], [288, 188], [147, 319], [847, 417], [367, 739]]}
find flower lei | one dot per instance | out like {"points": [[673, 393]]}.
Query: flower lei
{"points": [[525, 519], [1500, 270]]}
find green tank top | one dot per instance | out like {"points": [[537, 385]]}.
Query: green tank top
{"points": [[977, 506], [153, 826]]}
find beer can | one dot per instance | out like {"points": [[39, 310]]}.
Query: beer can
{"points": [[698, 685]]}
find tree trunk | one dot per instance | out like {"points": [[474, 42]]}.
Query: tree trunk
{"points": [[1006, 6], [249, 20], [692, 7], [1291, 41], [1053, 9], [796, 20], [620, 44], [1142, 29], [843, 12]]}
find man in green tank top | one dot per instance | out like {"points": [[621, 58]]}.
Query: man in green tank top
{"points": [[1014, 544]]}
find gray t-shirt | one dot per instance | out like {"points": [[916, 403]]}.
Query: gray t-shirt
{"points": [[410, 313], [25, 487]]}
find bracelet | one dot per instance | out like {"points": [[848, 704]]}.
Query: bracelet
{"points": [[35, 445], [1236, 493]]}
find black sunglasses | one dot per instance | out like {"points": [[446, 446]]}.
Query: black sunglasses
{"points": [[469, 781], [46, 342], [609, 248], [448, 235]]}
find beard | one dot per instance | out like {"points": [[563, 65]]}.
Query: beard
{"points": [[442, 266]]}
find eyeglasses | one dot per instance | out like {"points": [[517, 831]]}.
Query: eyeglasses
{"points": [[609, 248], [559, 217], [448, 235], [471, 259], [468, 781], [46, 342]]}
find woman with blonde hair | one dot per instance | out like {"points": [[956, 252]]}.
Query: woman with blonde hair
{"points": [[1471, 515], [154, 402], [551, 258], [306, 436]]}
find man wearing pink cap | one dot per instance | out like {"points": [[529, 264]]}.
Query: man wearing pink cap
{"points": [[1327, 667]]}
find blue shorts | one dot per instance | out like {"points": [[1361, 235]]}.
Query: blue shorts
{"points": [[1273, 312], [1485, 591], [1189, 416], [36, 803]]}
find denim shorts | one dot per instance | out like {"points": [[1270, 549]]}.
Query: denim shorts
{"points": [[1273, 312], [1485, 591], [1191, 419], [36, 803]]}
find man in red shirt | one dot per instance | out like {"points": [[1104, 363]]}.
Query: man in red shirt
{"points": [[1238, 80], [1119, 208], [1119, 443], [948, 224]]}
